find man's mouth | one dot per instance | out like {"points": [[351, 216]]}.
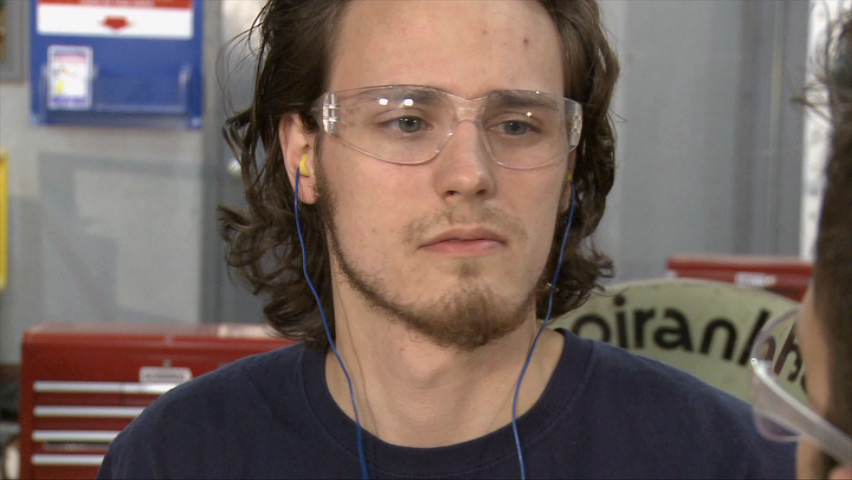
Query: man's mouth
{"points": [[465, 242]]}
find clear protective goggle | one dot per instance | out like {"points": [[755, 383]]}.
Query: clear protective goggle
{"points": [[778, 395], [409, 124]]}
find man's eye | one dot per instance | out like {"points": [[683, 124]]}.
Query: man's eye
{"points": [[514, 128], [409, 124]]}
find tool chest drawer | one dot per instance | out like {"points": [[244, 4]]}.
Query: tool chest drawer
{"points": [[81, 384]]}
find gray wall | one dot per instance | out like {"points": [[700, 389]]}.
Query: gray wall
{"points": [[119, 225], [709, 143]]}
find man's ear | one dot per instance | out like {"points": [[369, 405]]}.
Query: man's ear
{"points": [[565, 201], [297, 147]]}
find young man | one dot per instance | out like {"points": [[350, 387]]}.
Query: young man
{"points": [[438, 151]]}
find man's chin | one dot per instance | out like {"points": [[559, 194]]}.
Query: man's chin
{"points": [[466, 321]]}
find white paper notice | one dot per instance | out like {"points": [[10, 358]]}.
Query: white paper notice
{"points": [[69, 85]]}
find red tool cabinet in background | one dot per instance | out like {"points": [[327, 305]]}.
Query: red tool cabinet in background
{"points": [[81, 384], [784, 275]]}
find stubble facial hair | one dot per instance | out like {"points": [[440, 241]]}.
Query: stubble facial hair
{"points": [[466, 318]]}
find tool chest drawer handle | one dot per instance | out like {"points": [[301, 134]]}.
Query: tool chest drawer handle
{"points": [[69, 436], [57, 460], [103, 387], [88, 412]]}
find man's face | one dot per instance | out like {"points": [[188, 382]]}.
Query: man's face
{"points": [[815, 355], [453, 247]]}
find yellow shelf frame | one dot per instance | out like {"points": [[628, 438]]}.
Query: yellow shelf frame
{"points": [[4, 218]]}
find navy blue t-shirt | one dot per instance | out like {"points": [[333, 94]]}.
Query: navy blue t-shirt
{"points": [[606, 413]]}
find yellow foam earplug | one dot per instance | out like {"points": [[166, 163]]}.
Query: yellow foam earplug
{"points": [[570, 177], [303, 166]]}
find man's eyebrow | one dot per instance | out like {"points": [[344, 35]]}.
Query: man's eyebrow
{"points": [[524, 99]]}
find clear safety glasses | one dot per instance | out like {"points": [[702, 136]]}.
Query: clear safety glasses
{"points": [[778, 395], [411, 124]]}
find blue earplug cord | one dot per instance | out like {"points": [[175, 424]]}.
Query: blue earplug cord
{"points": [[538, 335], [360, 433]]}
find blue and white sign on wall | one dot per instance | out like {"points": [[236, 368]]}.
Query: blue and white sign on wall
{"points": [[130, 63]]}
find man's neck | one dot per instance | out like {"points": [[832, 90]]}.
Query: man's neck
{"points": [[411, 392]]}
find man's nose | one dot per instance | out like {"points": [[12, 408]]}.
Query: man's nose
{"points": [[464, 168]]}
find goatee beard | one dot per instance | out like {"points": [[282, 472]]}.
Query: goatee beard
{"points": [[466, 318]]}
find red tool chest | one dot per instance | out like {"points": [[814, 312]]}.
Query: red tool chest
{"points": [[81, 384], [784, 275]]}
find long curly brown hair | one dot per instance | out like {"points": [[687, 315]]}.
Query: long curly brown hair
{"points": [[833, 266], [296, 40]]}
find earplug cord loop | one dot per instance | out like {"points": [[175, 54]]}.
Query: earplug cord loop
{"points": [[538, 335], [360, 435]]}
